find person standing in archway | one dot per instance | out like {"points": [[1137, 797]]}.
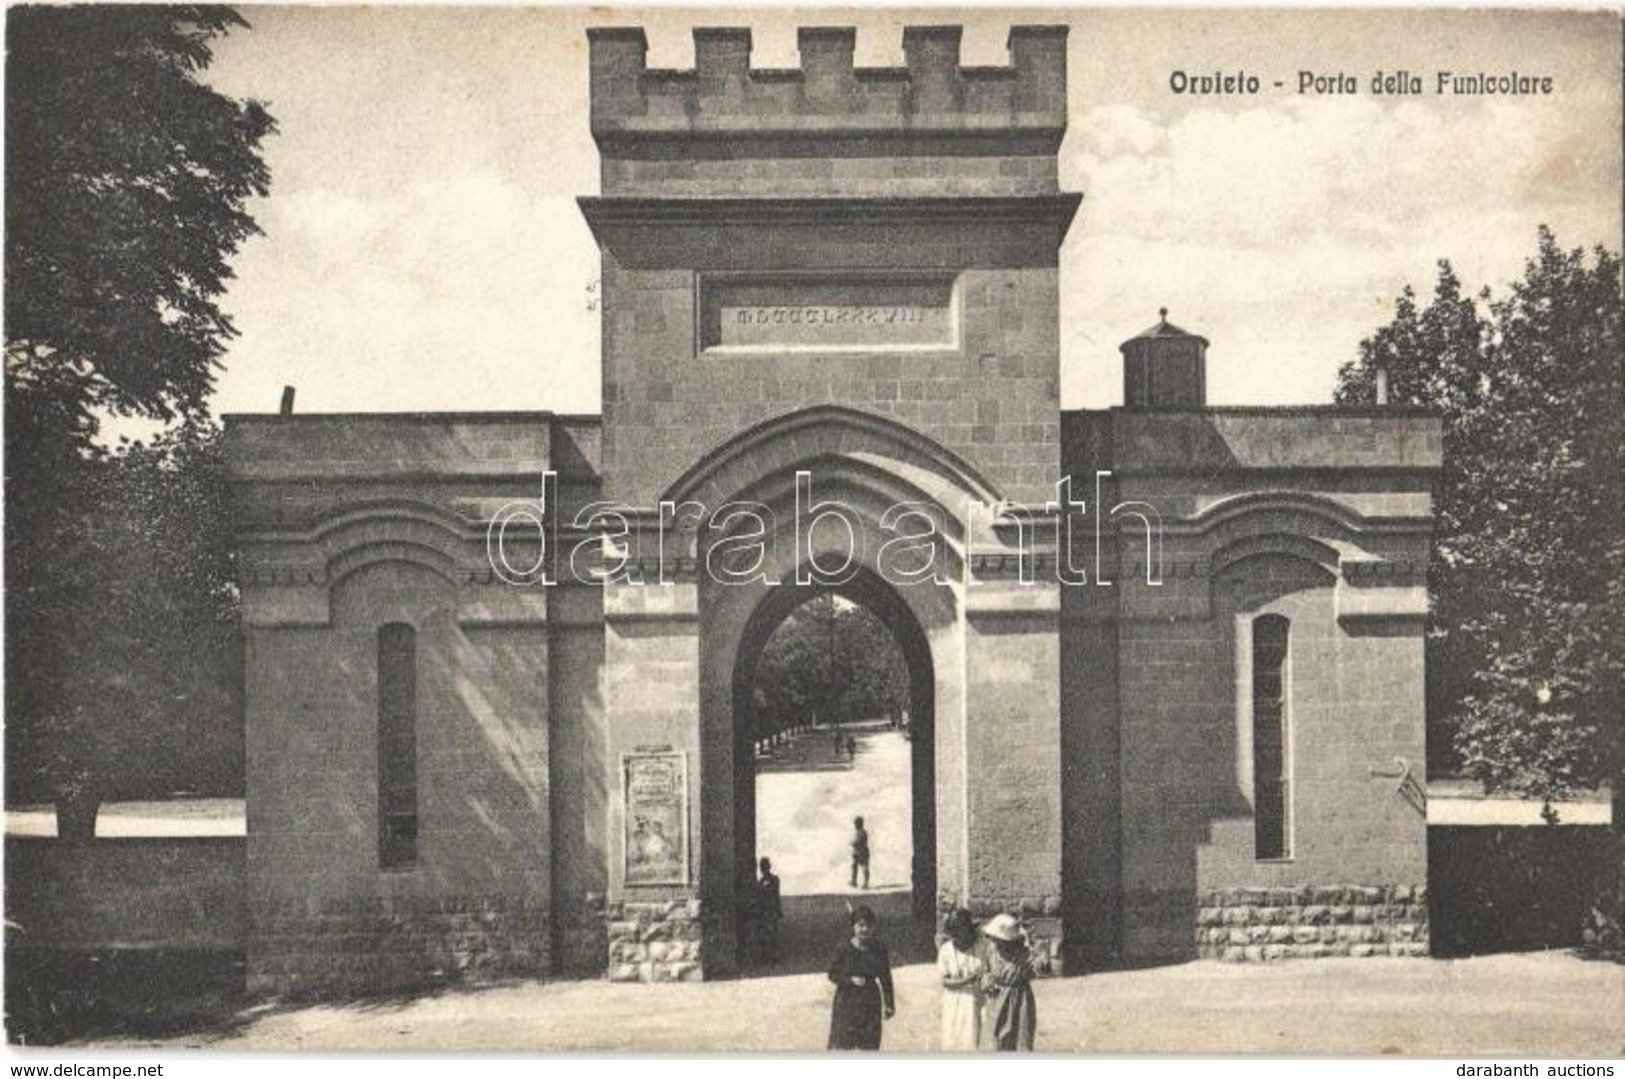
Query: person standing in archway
{"points": [[769, 912], [861, 972], [860, 852]]}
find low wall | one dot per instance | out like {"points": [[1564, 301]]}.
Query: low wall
{"points": [[178, 894], [1504, 889], [1252, 924]]}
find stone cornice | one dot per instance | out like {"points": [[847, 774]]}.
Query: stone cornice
{"points": [[1052, 210], [655, 140]]}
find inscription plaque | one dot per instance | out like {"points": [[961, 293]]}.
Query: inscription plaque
{"points": [[814, 314], [655, 789]]}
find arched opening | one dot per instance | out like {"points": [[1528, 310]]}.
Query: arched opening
{"points": [[811, 756]]}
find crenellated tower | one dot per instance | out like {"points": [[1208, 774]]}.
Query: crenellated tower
{"points": [[880, 239]]}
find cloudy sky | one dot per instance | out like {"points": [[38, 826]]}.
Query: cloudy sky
{"points": [[422, 247]]}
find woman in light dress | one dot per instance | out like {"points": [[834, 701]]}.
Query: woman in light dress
{"points": [[961, 964]]}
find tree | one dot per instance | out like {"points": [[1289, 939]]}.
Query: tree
{"points": [[126, 188], [837, 660], [147, 635], [1527, 630], [127, 184]]}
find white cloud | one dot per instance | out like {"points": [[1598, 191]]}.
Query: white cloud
{"points": [[1282, 231]]}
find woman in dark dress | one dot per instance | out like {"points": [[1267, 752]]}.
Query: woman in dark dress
{"points": [[863, 989]]}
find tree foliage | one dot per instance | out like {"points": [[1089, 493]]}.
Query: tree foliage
{"points": [[829, 660], [128, 181], [1526, 641], [142, 638]]}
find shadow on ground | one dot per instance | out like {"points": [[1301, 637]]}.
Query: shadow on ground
{"points": [[816, 926], [53, 996]]}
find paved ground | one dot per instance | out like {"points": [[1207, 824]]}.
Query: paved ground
{"points": [[1532, 1005], [806, 797]]}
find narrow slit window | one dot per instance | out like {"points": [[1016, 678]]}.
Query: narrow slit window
{"points": [[1270, 793], [397, 747]]}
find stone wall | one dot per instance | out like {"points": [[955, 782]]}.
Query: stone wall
{"points": [[184, 894], [1310, 514], [655, 942], [1311, 922], [347, 524], [990, 395], [830, 175], [932, 127], [335, 946], [1504, 889]]}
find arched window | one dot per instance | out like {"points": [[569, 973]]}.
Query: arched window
{"points": [[1270, 793], [397, 746]]}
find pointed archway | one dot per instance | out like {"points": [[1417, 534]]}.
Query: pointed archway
{"points": [[867, 466], [868, 590]]}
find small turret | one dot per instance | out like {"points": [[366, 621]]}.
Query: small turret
{"points": [[1165, 367]]}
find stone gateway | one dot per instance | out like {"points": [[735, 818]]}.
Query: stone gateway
{"points": [[1196, 748]]}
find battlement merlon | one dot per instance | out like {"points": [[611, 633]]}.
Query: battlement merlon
{"points": [[931, 98]]}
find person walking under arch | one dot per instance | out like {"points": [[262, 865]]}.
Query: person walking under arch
{"points": [[864, 996], [860, 852]]}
